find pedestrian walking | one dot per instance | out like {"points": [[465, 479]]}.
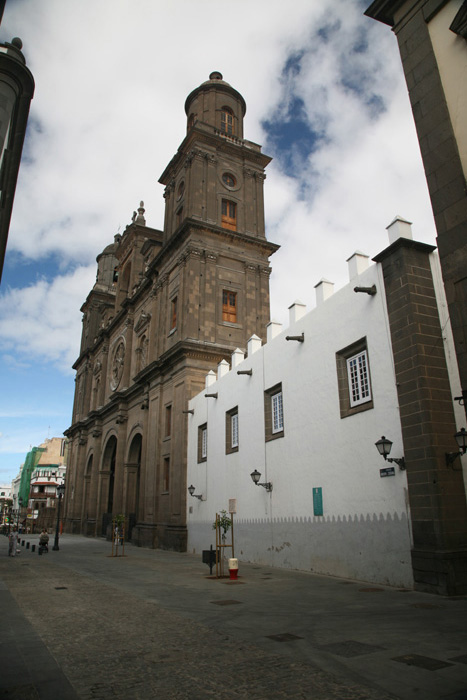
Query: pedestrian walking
{"points": [[13, 543]]}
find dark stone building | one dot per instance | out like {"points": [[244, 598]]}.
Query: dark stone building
{"points": [[16, 93], [432, 41], [167, 307]]}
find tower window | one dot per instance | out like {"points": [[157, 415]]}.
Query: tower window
{"points": [[229, 215], [227, 120], [229, 306]]}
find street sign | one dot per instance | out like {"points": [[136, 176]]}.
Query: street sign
{"points": [[389, 471]]}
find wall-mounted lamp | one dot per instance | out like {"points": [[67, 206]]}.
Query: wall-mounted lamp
{"points": [[191, 491], [366, 290], [384, 448], [461, 439], [256, 476], [298, 338]]}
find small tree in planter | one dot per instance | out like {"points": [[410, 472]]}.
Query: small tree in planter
{"points": [[222, 525]]}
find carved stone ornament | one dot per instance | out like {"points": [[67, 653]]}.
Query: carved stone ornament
{"points": [[97, 367], [117, 365], [143, 321]]}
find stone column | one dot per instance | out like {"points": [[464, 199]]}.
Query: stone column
{"points": [[436, 491]]}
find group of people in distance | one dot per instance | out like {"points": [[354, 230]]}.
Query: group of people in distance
{"points": [[13, 542]]}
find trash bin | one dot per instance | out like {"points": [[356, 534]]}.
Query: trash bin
{"points": [[233, 569]]}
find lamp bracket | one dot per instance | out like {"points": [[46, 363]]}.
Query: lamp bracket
{"points": [[400, 461], [266, 485], [211, 396], [451, 458], [245, 371]]}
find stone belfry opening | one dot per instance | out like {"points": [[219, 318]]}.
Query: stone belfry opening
{"points": [[166, 308]]}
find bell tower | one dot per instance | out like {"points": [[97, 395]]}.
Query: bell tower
{"points": [[217, 176]]}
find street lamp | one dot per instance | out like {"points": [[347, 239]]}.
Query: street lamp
{"points": [[461, 439], [384, 448], [60, 492], [256, 476]]}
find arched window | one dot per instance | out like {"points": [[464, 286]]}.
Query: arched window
{"points": [[191, 121], [227, 121], [229, 215]]}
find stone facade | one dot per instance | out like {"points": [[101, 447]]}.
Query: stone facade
{"points": [[167, 306]]}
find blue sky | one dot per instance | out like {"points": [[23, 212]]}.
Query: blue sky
{"points": [[325, 98]]}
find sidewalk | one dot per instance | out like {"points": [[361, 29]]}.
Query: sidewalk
{"points": [[79, 623]]}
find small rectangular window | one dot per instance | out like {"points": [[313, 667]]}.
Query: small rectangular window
{"points": [[231, 431], [202, 443], [273, 413], [229, 306]]}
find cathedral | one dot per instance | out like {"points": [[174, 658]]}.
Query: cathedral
{"points": [[167, 306]]}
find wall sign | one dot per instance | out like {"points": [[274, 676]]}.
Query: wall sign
{"points": [[389, 471], [318, 501]]}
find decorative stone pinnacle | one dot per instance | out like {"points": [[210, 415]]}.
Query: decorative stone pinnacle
{"points": [[140, 218]]}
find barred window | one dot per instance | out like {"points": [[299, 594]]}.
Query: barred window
{"points": [[354, 379], [231, 431], [202, 443], [277, 413], [273, 413], [359, 385]]}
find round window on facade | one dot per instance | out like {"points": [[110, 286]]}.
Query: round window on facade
{"points": [[229, 180]]}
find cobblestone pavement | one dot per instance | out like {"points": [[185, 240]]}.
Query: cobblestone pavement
{"points": [[112, 636]]}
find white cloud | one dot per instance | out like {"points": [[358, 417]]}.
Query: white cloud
{"points": [[108, 115], [42, 321]]}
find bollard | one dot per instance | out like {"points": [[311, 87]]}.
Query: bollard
{"points": [[33, 548], [233, 569], [27, 545]]}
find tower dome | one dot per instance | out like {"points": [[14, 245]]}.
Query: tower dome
{"points": [[217, 103]]}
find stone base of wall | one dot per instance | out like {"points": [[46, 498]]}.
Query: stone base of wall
{"points": [[441, 572], [173, 538], [144, 535], [89, 528]]}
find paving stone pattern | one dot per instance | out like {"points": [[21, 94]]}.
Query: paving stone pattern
{"points": [[111, 644]]}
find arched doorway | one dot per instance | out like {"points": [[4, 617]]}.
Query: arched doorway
{"points": [[88, 509], [108, 467], [133, 476]]}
